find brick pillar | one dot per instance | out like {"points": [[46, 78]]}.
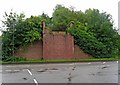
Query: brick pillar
{"points": [[44, 26]]}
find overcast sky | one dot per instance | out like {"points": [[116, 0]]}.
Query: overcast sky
{"points": [[37, 7]]}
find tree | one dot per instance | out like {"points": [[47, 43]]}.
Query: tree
{"points": [[20, 32], [48, 20], [87, 41], [62, 17], [12, 20], [101, 24], [0, 47], [118, 45], [32, 29], [93, 30]]}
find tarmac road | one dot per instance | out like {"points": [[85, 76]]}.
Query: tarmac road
{"points": [[85, 72]]}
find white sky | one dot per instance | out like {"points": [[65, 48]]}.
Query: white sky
{"points": [[37, 7]]}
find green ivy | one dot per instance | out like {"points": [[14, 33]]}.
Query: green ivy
{"points": [[87, 42], [20, 32]]}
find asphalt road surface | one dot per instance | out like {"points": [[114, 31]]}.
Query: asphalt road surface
{"points": [[85, 72]]}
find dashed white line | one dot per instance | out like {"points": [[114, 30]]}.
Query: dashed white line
{"points": [[117, 61], [104, 62], [34, 78], [10, 66], [8, 70], [16, 70], [11, 70], [29, 71], [35, 81], [89, 63], [72, 64]]}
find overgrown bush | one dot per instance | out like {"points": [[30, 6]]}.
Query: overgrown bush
{"points": [[87, 42], [99, 25], [19, 32], [13, 59]]}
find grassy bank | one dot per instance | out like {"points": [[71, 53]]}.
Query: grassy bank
{"points": [[61, 61]]}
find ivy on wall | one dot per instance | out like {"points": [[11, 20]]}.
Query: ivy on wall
{"points": [[19, 32]]}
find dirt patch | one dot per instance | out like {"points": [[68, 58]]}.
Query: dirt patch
{"points": [[118, 72], [104, 67], [53, 69], [44, 70], [24, 78]]}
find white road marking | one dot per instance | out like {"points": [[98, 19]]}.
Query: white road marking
{"points": [[117, 61], [10, 66], [35, 81], [23, 69], [8, 70], [72, 64], [16, 70], [104, 62], [89, 63], [29, 71]]}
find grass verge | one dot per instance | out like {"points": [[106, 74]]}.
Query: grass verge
{"points": [[61, 61]]}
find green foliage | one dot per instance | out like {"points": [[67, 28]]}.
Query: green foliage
{"points": [[62, 17], [87, 42], [12, 20], [93, 30], [101, 25], [19, 32], [48, 20], [0, 47], [32, 30], [95, 24], [118, 45], [13, 59]]}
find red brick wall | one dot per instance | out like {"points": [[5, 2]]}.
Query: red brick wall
{"points": [[79, 54], [55, 46], [32, 52], [58, 46]]}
